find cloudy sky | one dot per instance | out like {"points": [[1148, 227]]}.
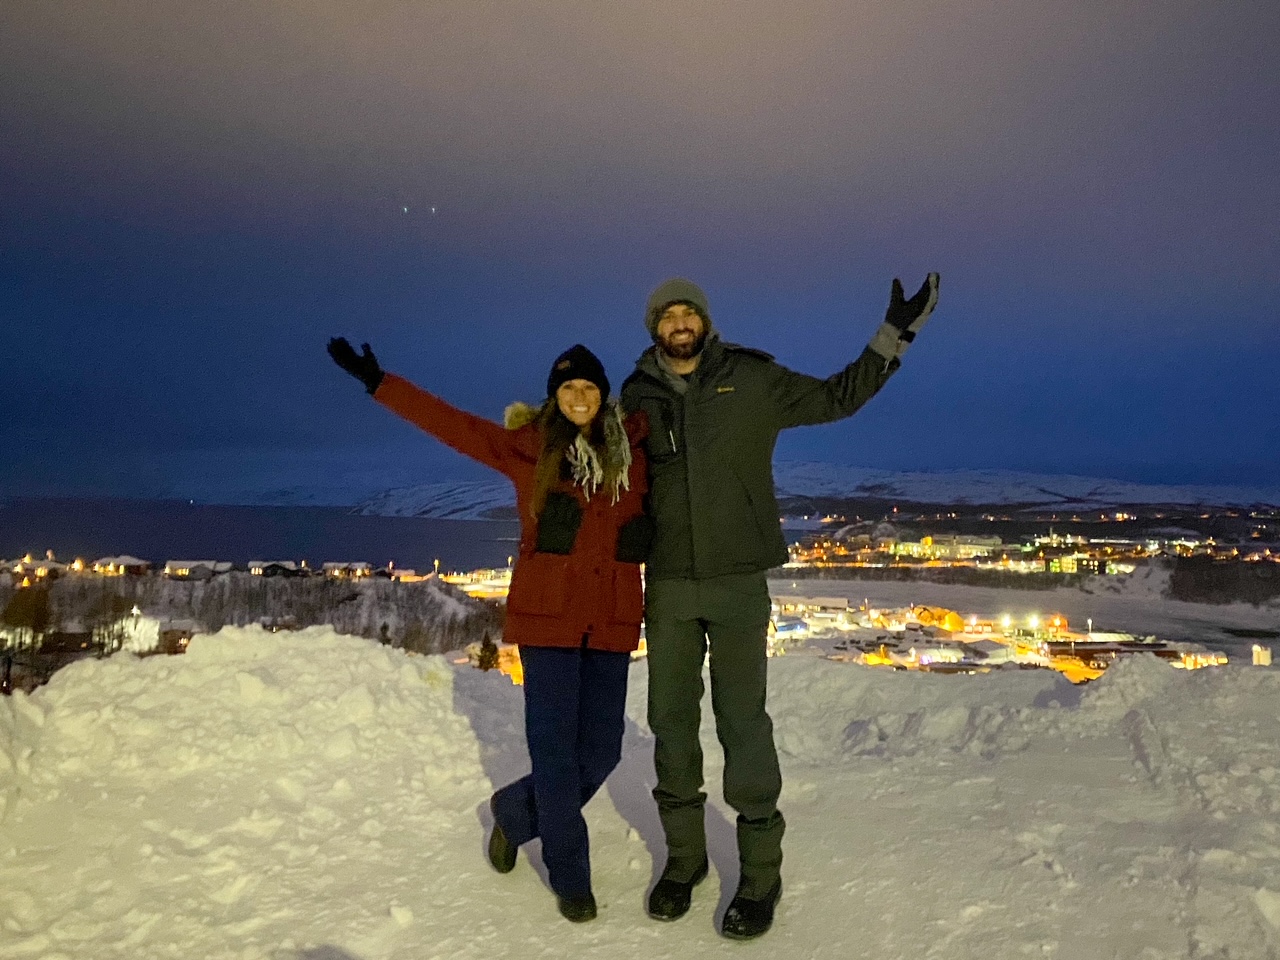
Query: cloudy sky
{"points": [[197, 195]]}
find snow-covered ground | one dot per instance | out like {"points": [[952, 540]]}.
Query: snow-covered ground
{"points": [[310, 796]]}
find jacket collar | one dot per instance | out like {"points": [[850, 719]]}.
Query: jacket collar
{"points": [[652, 364]]}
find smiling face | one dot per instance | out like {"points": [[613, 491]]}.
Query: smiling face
{"points": [[681, 332], [579, 401]]}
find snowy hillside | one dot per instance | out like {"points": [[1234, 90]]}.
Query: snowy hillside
{"points": [[475, 500], [311, 796], [811, 479], [468, 500]]}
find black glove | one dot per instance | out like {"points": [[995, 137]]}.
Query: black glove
{"points": [[904, 318], [364, 367], [910, 315]]}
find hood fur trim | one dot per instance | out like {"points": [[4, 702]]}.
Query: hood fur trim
{"points": [[519, 414]]}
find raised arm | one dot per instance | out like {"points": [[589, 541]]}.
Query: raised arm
{"points": [[801, 399], [473, 436]]}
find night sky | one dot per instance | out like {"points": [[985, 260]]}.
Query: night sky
{"points": [[196, 195]]}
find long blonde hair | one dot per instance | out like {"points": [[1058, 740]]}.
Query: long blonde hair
{"points": [[562, 457]]}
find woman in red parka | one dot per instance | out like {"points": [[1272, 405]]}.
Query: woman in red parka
{"points": [[575, 602]]}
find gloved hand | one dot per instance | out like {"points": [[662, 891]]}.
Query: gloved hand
{"points": [[904, 318], [363, 366], [909, 315]]}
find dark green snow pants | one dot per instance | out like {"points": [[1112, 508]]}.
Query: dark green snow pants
{"points": [[730, 616]]}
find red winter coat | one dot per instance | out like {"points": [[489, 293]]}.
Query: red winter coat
{"points": [[554, 599]]}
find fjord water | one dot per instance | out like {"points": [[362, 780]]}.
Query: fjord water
{"points": [[160, 530]]}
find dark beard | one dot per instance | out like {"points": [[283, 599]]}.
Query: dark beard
{"points": [[683, 351]]}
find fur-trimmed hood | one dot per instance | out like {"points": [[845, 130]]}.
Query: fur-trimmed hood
{"points": [[591, 467], [519, 414]]}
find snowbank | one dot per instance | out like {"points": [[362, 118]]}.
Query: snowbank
{"points": [[313, 796]]}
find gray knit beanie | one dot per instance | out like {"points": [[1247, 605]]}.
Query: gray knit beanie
{"points": [[675, 290]]}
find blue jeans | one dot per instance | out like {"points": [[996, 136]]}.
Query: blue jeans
{"points": [[574, 710]]}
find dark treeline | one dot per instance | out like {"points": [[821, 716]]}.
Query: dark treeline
{"points": [[1205, 580], [425, 617], [966, 576], [1193, 579]]}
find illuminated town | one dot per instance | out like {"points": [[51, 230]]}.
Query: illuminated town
{"points": [[915, 637], [839, 543], [926, 638]]}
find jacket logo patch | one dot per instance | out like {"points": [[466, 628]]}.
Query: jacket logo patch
{"points": [[724, 389]]}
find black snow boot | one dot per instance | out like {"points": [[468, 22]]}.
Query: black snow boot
{"points": [[671, 898], [578, 909], [502, 852], [747, 919]]}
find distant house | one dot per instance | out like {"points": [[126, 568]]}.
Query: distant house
{"points": [[68, 643], [392, 572], [120, 566], [991, 651], [175, 635], [196, 569], [348, 571], [784, 628], [277, 568], [28, 570], [276, 624]]}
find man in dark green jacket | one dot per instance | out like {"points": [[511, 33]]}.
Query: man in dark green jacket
{"points": [[715, 411]]}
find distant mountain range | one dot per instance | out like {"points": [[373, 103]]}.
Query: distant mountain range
{"points": [[491, 499]]}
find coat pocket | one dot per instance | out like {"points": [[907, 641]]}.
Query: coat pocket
{"points": [[558, 524], [661, 445], [539, 585], [635, 538], [628, 596]]}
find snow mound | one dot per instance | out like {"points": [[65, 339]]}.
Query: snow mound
{"points": [[247, 702], [823, 711], [308, 795]]}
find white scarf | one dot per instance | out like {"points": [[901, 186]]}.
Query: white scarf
{"points": [[587, 466]]}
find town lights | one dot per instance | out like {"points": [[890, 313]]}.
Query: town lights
{"points": [[1034, 621], [1006, 621]]}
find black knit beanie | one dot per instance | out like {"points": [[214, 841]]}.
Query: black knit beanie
{"points": [[577, 363], [675, 290]]}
